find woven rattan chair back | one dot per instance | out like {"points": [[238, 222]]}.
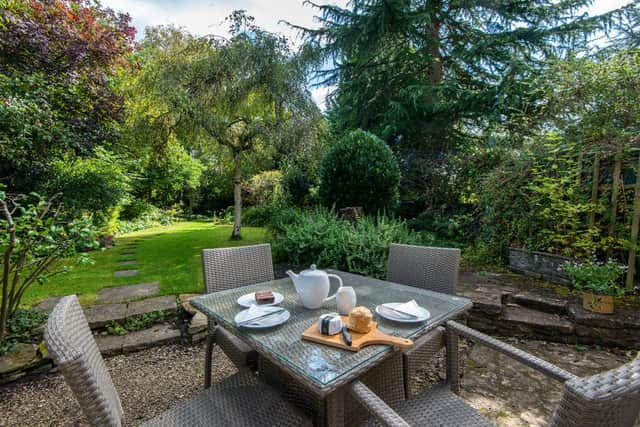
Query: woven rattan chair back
{"points": [[228, 268], [75, 352], [435, 269], [610, 398]]}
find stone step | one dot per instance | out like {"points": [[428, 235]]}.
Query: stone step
{"points": [[100, 315], [156, 335], [485, 301], [527, 320], [128, 262], [165, 303], [540, 302]]}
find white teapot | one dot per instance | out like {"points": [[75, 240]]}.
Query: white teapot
{"points": [[313, 286]]}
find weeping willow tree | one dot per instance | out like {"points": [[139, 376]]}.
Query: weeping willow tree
{"points": [[430, 76], [242, 93]]}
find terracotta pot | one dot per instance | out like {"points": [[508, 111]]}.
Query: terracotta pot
{"points": [[597, 303]]}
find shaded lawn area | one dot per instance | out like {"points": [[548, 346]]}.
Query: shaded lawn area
{"points": [[168, 254]]}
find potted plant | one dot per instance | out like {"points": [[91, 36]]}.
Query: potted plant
{"points": [[598, 282]]}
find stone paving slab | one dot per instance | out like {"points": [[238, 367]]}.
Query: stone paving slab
{"points": [[129, 292], [128, 262], [151, 337], [48, 304], [149, 305], [126, 273], [99, 315], [110, 345]]}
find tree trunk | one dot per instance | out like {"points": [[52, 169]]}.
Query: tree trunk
{"points": [[635, 226], [237, 197], [4, 305]]}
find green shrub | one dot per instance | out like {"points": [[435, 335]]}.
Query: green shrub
{"points": [[596, 277], [298, 184], [151, 217], [258, 216], [37, 240], [135, 209], [20, 327], [94, 185], [360, 170], [318, 236], [264, 188]]}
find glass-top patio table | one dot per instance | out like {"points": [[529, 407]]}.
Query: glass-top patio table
{"points": [[321, 368]]}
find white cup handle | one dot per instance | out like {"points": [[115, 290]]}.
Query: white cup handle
{"points": [[336, 292]]}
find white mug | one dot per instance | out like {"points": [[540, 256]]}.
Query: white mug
{"points": [[346, 300]]}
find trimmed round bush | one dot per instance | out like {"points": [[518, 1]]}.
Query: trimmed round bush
{"points": [[360, 170]]}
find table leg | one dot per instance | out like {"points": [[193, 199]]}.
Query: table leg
{"points": [[339, 408]]}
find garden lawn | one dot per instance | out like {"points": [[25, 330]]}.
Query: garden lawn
{"points": [[167, 254]]}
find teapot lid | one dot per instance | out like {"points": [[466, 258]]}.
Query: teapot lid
{"points": [[312, 272]]}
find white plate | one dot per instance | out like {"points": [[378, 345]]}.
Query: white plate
{"points": [[266, 322], [247, 300], [422, 316]]}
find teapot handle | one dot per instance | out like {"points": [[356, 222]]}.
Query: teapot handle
{"points": [[339, 281]]}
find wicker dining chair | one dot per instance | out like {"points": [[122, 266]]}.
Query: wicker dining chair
{"points": [[610, 398], [228, 268], [434, 269], [240, 400]]}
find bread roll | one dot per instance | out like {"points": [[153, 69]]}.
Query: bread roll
{"points": [[360, 320]]}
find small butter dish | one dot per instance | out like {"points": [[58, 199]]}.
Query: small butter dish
{"points": [[330, 324]]}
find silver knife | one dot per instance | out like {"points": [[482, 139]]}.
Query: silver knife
{"points": [[246, 322], [400, 312]]}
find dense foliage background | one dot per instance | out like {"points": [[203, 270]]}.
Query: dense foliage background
{"points": [[477, 124]]}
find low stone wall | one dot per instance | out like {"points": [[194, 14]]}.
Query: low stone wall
{"points": [[499, 311], [541, 265]]}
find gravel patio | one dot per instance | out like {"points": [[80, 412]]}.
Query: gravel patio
{"points": [[152, 380]]}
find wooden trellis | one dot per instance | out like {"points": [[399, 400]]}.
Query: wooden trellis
{"points": [[617, 187]]}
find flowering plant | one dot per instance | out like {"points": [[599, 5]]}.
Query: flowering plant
{"points": [[596, 277]]}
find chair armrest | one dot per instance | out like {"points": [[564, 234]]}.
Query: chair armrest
{"points": [[521, 356], [376, 406]]}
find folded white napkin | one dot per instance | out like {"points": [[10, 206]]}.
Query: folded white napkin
{"points": [[410, 307], [256, 311]]}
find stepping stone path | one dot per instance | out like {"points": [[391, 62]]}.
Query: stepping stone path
{"points": [[125, 293], [128, 262], [126, 273]]}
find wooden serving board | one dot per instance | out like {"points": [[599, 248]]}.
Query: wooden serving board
{"points": [[374, 336]]}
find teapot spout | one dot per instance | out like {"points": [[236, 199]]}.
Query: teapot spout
{"points": [[291, 274]]}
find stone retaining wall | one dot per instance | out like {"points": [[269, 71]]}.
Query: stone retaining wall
{"points": [[541, 265], [522, 314]]}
